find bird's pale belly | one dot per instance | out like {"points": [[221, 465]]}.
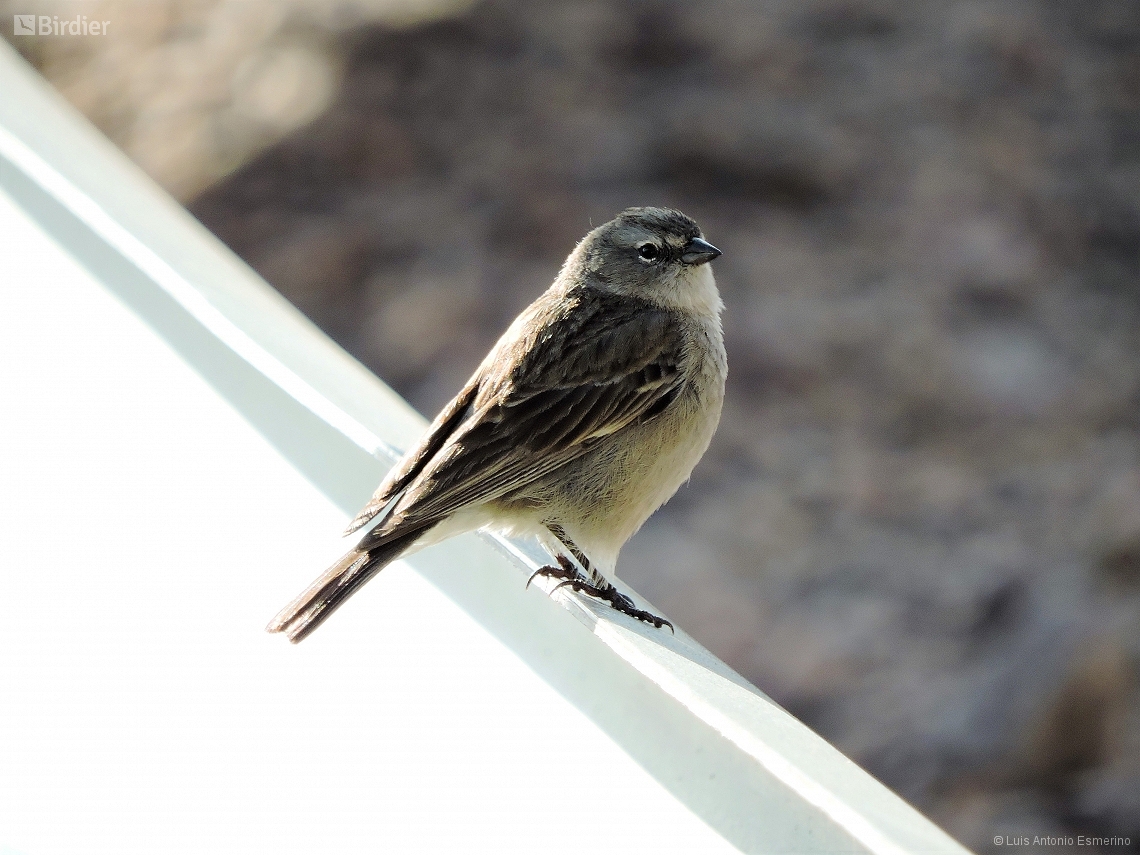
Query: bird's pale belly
{"points": [[602, 498]]}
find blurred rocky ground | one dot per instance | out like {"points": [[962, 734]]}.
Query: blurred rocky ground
{"points": [[919, 525]]}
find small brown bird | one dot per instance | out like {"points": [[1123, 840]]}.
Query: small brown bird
{"points": [[585, 417]]}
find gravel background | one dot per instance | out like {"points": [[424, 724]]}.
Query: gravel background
{"points": [[919, 525]]}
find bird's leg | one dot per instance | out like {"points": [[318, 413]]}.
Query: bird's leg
{"points": [[591, 582], [566, 568]]}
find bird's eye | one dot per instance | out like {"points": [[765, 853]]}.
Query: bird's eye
{"points": [[649, 251]]}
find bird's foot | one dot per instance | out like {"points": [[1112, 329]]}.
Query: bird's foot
{"points": [[619, 601], [565, 570], [572, 577]]}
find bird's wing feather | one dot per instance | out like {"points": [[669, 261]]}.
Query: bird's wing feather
{"points": [[410, 465], [585, 373]]}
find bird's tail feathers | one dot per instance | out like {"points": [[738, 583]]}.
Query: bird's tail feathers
{"points": [[335, 585]]}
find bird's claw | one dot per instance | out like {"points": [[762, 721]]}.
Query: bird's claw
{"points": [[564, 570], [617, 600], [571, 577]]}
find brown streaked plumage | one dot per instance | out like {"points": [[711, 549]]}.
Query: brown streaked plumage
{"points": [[585, 417]]}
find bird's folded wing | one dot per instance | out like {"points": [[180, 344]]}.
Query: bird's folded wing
{"points": [[412, 463], [581, 377]]}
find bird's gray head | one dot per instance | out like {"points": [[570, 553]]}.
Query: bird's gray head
{"points": [[653, 253]]}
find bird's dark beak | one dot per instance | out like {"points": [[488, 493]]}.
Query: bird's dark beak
{"points": [[698, 251]]}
